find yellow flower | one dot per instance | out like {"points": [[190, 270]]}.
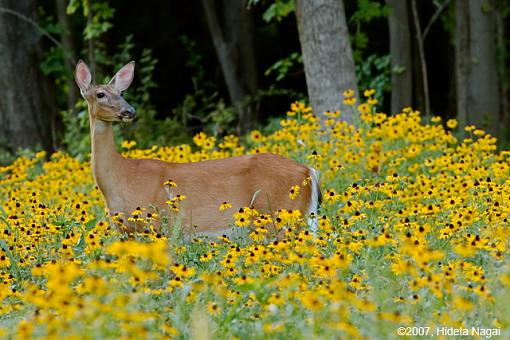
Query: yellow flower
{"points": [[364, 109], [242, 222], [274, 327], [350, 101], [294, 192], [128, 144], [180, 197], [256, 136], [258, 234], [314, 156], [470, 128], [465, 250], [213, 308], [324, 223], [348, 93], [462, 304], [225, 206], [170, 183], [372, 101], [180, 249], [275, 299], [4, 260], [182, 270], [137, 212], [243, 280], [311, 301], [331, 196], [368, 92], [174, 203], [25, 329], [452, 123], [479, 132], [207, 257], [176, 282]]}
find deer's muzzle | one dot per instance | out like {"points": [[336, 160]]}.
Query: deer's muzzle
{"points": [[128, 114]]}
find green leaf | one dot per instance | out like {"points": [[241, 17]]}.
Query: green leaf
{"points": [[283, 66], [398, 69], [73, 6], [279, 10], [368, 10]]}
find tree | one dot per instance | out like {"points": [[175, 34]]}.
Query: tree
{"points": [[503, 47], [476, 75], [400, 52], [327, 54], [67, 41], [231, 28], [462, 59], [27, 109]]}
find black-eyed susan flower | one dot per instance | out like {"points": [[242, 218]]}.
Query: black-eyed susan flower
{"points": [[170, 183], [243, 280], [258, 234], [331, 196], [348, 93], [213, 308], [314, 156], [364, 108], [368, 92], [372, 101], [225, 206], [128, 144], [294, 192], [452, 123], [207, 257], [242, 221], [4, 260], [256, 136], [349, 101], [311, 301]]}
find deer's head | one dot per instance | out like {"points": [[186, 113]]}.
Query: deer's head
{"points": [[105, 101]]}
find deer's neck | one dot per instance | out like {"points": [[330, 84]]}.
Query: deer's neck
{"points": [[106, 161]]}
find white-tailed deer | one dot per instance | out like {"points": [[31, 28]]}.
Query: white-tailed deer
{"points": [[262, 180]]}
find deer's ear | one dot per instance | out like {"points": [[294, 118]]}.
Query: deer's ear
{"points": [[123, 78], [82, 76]]}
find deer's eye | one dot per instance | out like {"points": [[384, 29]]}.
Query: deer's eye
{"points": [[100, 95]]}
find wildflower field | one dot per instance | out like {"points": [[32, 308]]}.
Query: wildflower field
{"points": [[413, 231]]}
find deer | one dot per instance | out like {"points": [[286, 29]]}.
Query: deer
{"points": [[261, 181]]}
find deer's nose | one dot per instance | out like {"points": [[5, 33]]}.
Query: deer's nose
{"points": [[128, 114], [129, 111]]}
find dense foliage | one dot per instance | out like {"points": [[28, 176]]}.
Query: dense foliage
{"points": [[413, 231]]}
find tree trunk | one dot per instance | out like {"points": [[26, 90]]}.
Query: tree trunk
{"points": [[67, 41], [26, 108], [476, 72], [483, 76], [327, 54], [462, 59], [231, 28], [400, 52], [90, 44], [421, 55], [502, 33]]}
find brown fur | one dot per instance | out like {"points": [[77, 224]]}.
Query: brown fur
{"points": [[206, 185]]}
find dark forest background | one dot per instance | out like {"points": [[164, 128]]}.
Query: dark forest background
{"points": [[186, 81]]}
